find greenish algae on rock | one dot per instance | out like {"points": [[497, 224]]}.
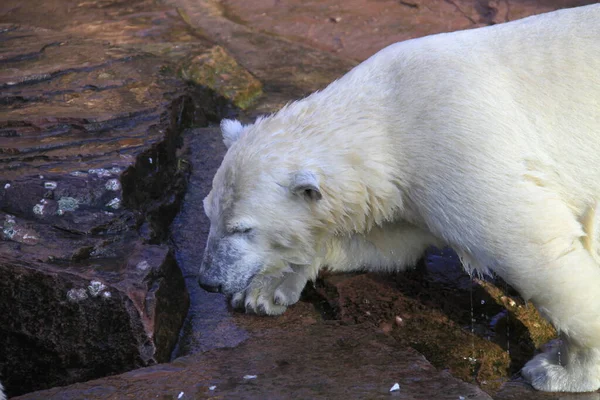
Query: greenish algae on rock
{"points": [[220, 72]]}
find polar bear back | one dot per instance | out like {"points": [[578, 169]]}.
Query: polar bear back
{"points": [[523, 96]]}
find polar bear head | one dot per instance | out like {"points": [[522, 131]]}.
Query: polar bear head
{"points": [[261, 208]]}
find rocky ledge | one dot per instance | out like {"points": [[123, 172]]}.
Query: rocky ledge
{"points": [[90, 179]]}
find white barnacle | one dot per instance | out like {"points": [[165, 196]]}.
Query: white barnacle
{"points": [[106, 295], [76, 295], [50, 185], [95, 288], [38, 209], [67, 204], [395, 388], [7, 186], [100, 172], [113, 184]]}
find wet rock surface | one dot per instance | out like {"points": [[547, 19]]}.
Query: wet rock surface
{"points": [[94, 167], [366, 365]]}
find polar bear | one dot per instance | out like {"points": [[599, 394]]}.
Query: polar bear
{"points": [[485, 140]]}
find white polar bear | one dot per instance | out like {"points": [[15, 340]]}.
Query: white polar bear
{"points": [[486, 140]]}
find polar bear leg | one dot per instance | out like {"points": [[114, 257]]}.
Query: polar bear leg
{"points": [[565, 368], [391, 247], [546, 260], [569, 297], [271, 295]]}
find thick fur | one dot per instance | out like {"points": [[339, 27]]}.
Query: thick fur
{"points": [[486, 140]]}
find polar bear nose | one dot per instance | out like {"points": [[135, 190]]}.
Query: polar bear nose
{"points": [[209, 286], [213, 289]]}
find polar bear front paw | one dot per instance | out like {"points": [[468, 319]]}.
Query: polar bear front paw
{"points": [[269, 295], [549, 373]]}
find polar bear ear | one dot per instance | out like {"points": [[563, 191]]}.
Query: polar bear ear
{"points": [[232, 130], [306, 184]]}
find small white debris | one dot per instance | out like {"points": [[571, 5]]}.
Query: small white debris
{"points": [[248, 377], [399, 321], [395, 388], [143, 265], [50, 185], [461, 397], [211, 388], [28, 236], [150, 160], [41, 176], [78, 173], [95, 288], [113, 184], [180, 395], [106, 295], [77, 294], [115, 170], [7, 186], [10, 219], [114, 203]]}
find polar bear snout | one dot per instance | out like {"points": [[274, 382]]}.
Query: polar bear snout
{"points": [[228, 265], [209, 287], [206, 280]]}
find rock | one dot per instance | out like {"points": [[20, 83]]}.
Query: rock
{"points": [[90, 180], [470, 327], [220, 72], [322, 360], [360, 30]]}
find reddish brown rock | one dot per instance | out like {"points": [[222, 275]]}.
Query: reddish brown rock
{"points": [[356, 29], [287, 359]]}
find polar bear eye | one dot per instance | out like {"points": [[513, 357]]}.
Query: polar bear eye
{"points": [[241, 230]]}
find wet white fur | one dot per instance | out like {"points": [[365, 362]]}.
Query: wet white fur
{"points": [[487, 140]]}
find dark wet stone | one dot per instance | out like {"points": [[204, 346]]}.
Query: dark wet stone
{"points": [[296, 359]]}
